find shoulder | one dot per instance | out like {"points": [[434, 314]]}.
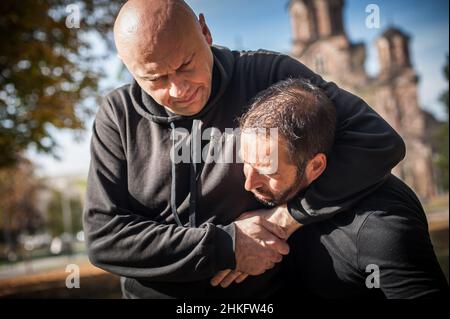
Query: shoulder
{"points": [[114, 108], [397, 242], [117, 100], [393, 222], [258, 53], [392, 237], [259, 58], [392, 196], [117, 96], [266, 67]]}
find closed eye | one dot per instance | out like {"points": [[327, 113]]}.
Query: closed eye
{"points": [[154, 79], [186, 64]]}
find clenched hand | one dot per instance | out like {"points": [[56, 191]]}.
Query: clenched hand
{"points": [[260, 243]]}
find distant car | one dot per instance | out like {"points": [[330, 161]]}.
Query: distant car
{"points": [[32, 242], [62, 244]]}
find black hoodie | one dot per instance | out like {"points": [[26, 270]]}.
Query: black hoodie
{"points": [[167, 227]]}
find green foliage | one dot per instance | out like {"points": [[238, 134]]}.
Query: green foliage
{"points": [[47, 70]]}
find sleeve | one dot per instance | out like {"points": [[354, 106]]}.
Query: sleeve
{"points": [[366, 149], [399, 246], [130, 245]]}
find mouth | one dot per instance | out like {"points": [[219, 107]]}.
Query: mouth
{"points": [[267, 201], [190, 99], [263, 197]]}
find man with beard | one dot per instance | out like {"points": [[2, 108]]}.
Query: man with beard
{"points": [[380, 248]]}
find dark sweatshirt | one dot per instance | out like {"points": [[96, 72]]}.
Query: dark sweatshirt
{"points": [[380, 248], [168, 227]]}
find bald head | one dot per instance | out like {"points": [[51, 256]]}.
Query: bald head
{"points": [[145, 25], [168, 52]]}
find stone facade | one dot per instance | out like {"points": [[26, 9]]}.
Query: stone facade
{"points": [[321, 43]]}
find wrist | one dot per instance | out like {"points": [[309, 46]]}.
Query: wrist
{"points": [[284, 219]]}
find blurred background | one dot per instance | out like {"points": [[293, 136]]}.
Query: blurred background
{"points": [[57, 58]]}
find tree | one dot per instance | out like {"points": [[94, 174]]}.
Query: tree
{"points": [[48, 69], [55, 223], [19, 191]]}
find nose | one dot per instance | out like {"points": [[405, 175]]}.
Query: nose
{"points": [[252, 179], [178, 87]]}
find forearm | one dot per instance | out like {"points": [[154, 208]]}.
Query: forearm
{"points": [[278, 215], [131, 246]]}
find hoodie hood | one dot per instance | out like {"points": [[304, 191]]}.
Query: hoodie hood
{"points": [[147, 107]]}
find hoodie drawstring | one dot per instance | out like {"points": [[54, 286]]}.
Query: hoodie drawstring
{"points": [[173, 189], [195, 131]]}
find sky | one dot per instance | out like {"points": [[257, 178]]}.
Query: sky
{"points": [[255, 24]]}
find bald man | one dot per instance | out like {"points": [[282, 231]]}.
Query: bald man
{"points": [[169, 226]]}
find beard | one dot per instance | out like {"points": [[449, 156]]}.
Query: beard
{"points": [[269, 199], [265, 202]]}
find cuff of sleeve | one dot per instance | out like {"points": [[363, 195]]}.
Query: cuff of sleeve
{"points": [[224, 247], [300, 214]]}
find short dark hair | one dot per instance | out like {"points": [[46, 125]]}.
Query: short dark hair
{"points": [[304, 115]]}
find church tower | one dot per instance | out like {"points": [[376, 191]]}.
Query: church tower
{"points": [[320, 41], [393, 52], [314, 19], [397, 101]]}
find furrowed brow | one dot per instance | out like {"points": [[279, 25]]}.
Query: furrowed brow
{"points": [[151, 77]]}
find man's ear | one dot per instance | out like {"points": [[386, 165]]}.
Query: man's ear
{"points": [[315, 167], [205, 30]]}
